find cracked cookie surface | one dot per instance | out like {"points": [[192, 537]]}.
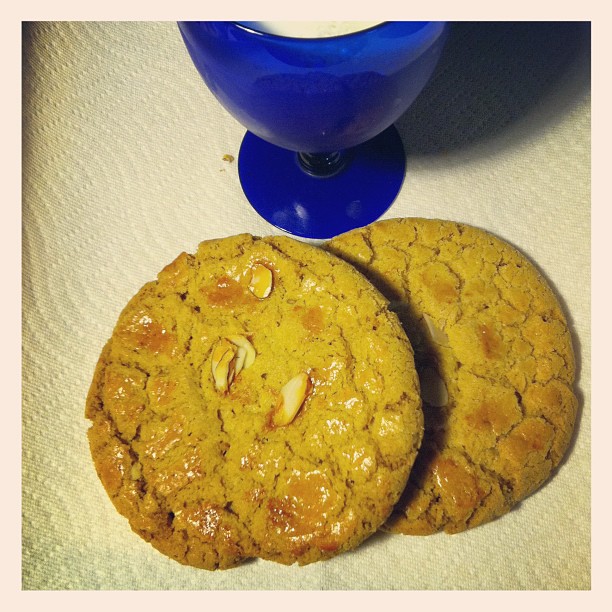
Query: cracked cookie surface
{"points": [[185, 431], [495, 360]]}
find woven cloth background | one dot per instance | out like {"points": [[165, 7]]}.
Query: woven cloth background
{"points": [[123, 169]]}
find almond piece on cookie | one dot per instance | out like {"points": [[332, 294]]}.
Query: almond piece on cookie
{"points": [[292, 396]]}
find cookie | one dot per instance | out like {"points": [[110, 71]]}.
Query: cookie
{"points": [[258, 399], [495, 361]]}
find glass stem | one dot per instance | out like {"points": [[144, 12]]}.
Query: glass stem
{"points": [[322, 164]]}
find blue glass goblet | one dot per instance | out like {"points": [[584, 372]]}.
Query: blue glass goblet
{"points": [[321, 155]]}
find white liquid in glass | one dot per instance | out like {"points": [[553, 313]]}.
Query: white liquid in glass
{"points": [[310, 29]]}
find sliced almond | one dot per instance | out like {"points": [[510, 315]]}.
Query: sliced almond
{"points": [[246, 353], [292, 396], [240, 359], [222, 347], [435, 333], [261, 281], [433, 389], [224, 373], [223, 364]]}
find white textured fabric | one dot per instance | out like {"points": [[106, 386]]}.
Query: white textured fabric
{"points": [[123, 169]]}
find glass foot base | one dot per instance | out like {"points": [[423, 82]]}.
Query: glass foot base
{"points": [[322, 207]]}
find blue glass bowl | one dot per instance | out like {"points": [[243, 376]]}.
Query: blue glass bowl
{"points": [[320, 155]]}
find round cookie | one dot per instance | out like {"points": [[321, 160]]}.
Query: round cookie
{"points": [[495, 361], [258, 399]]}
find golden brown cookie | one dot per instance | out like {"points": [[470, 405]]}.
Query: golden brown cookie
{"points": [[495, 360], [257, 400]]}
